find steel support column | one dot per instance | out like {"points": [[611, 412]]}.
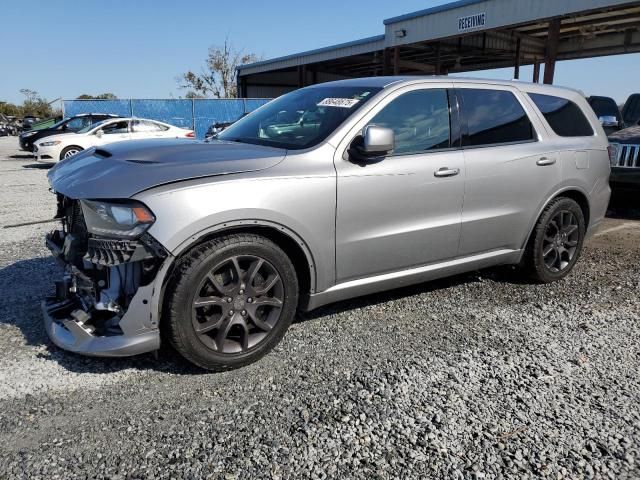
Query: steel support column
{"points": [[536, 71], [551, 51], [516, 68], [396, 60]]}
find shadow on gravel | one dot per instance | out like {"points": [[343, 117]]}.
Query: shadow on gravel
{"points": [[624, 207], [39, 166], [498, 274], [21, 155], [23, 285]]}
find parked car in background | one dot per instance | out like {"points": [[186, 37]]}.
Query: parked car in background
{"points": [[625, 162], [385, 182], [54, 148], [631, 110], [68, 125], [219, 127], [28, 121], [608, 113]]}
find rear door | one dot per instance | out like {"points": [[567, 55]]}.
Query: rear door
{"points": [[403, 210], [509, 169], [147, 129]]}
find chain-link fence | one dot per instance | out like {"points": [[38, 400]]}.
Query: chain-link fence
{"points": [[197, 114]]}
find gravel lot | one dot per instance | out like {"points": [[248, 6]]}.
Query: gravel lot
{"points": [[478, 376]]}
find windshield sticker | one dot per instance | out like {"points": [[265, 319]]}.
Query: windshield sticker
{"points": [[338, 102]]}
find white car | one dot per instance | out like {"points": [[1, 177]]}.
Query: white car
{"points": [[58, 147]]}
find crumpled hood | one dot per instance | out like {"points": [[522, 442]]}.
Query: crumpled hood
{"points": [[628, 135], [120, 170]]}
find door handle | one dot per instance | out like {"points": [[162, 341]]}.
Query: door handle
{"points": [[446, 172], [544, 161]]}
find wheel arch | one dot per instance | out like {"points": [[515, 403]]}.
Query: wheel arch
{"points": [[574, 193], [80, 149], [292, 244]]}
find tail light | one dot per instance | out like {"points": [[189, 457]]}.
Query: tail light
{"points": [[190, 135]]}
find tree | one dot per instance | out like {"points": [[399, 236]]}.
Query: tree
{"points": [[102, 96], [34, 104], [218, 78]]}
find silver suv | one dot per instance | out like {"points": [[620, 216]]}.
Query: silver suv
{"points": [[329, 192]]}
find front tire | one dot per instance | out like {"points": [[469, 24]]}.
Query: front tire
{"points": [[556, 242], [230, 301], [70, 151]]}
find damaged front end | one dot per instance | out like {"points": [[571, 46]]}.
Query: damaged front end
{"points": [[103, 304]]}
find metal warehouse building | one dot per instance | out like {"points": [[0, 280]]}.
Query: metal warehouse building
{"points": [[462, 36]]}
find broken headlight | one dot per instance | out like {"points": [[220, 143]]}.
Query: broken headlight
{"points": [[126, 219]]}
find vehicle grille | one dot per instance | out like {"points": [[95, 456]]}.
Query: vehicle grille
{"points": [[627, 156]]}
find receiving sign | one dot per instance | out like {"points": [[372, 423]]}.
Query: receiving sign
{"points": [[471, 21]]}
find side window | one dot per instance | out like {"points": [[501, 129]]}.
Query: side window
{"points": [[419, 119], [563, 116], [78, 123], [116, 127], [140, 126], [493, 117]]}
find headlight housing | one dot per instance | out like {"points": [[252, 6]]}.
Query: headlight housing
{"points": [[613, 149], [29, 134], [50, 144], [116, 219]]}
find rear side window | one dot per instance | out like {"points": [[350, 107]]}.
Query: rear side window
{"points": [[564, 117], [493, 117]]}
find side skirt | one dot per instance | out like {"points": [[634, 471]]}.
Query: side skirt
{"points": [[403, 278]]}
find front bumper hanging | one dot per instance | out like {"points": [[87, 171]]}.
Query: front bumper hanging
{"points": [[71, 315]]}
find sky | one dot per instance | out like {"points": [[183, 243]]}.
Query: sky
{"points": [[137, 48]]}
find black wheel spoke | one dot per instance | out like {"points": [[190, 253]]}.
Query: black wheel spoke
{"points": [[560, 240], [237, 304], [204, 301], [268, 284]]}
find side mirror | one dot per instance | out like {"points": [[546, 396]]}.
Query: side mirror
{"points": [[378, 141], [99, 133], [375, 142], [608, 121]]}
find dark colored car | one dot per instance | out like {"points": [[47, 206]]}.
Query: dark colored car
{"points": [[68, 125], [625, 155], [608, 113], [631, 110], [625, 161]]}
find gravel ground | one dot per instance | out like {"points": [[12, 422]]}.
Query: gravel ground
{"points": [[478, 376]]}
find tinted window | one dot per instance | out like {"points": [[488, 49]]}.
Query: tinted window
{"points": [[493, 117], [564, 117], [604, 107], [419, 119], [116, 127], [78, 123], [300, 119], [631, 112]]}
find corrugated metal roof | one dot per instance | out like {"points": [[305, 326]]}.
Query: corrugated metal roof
{"points": [[362, 45], [429, 11]]}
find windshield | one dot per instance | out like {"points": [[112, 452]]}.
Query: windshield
{"points": [[299, 119], [92, 126]]}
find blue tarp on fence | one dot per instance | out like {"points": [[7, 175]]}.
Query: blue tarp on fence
{"points": [[197, 113]]}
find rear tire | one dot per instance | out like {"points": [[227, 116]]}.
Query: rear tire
{"points": [[70, 151], [230, 301], [556, 241]]}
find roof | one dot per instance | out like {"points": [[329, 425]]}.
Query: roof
{"points": [[429, 11], [384, 82], [356, 46]]}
